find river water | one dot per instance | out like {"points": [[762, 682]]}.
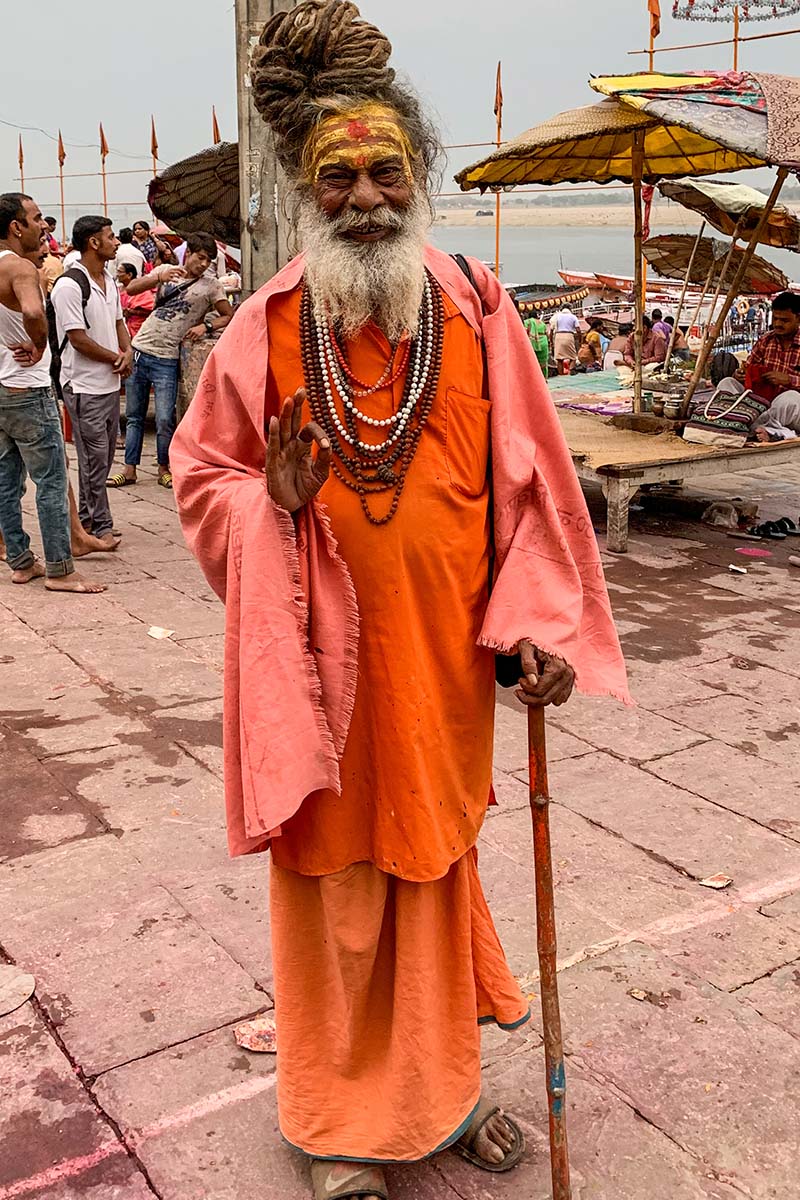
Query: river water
{"points": [[534, 255]]}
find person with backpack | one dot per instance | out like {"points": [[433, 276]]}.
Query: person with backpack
{"points": [[185, 297], [92, 339], [31, 441]]}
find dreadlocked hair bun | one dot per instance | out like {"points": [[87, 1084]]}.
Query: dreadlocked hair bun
{"points": [[318, 50]]}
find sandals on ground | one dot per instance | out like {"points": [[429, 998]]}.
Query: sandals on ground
{"points": [[119, 480], [465, 1146], [165, 479], [346, 1180]]}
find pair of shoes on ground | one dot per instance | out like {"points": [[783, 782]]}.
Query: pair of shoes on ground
{"points": [[777, 531], [122, 480], [347, 1180]]}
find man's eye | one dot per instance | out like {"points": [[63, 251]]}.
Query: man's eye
{"points": [[388, 175], [336, 179]]}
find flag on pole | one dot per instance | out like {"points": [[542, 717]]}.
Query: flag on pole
{"points": [[103, 143], [215, 133], [654, 8], [153, 138], [62, 154], [498, 94], [21, 156]]}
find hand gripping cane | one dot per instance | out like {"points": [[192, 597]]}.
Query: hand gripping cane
{"points": [[546, 944]]}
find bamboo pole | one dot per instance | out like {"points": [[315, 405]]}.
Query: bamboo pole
{"points": [[752, 37], [637, 163], [682, 298], [62, 154], [723, 275], [736, 37], [498, 111], [734, 288], [547, 952], [704, 292]]}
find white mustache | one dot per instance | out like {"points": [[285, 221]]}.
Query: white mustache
{"points": [[355, 221]]}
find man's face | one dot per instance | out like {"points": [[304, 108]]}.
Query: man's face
{"points": [[785, 323], [105, 243], [196, 263], [362, 164], [29, 228]]}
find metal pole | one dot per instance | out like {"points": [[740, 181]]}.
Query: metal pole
{"points": [[261, 185], [679, 310], [637, 159], [734, 288], [498, 194], [546, 946], [21, 160]]}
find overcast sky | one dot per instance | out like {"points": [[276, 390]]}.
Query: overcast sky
{"points": [[118, 62]]}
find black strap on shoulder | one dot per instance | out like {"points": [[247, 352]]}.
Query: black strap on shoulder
{"points": [[175, 291], [82, 280]]}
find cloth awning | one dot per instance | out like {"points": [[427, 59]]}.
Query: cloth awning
{"points": [[735, 208], [669, 255]]}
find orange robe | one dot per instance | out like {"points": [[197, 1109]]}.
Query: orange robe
{"points": [[385, 955]]}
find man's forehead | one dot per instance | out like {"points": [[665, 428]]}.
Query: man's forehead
{"points": [[360, 138]]}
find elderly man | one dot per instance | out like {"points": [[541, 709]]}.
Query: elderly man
{"points": [[337, 481]]}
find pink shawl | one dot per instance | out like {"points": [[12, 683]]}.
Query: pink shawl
{"points": [[291, 640]]}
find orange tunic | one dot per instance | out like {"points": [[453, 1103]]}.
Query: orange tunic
{"points": [[416, 769]]}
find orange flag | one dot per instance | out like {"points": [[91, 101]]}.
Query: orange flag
{"points": [[215, 133], [153, 138], [21, 155], [62, 154], [498, 93], [654, 8], [103, 143]]}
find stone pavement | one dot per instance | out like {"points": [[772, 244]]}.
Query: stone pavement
{"points": [[121, 1079]]}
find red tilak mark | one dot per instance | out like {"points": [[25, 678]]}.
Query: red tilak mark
{"points": [[357, 129], [361, 161]]}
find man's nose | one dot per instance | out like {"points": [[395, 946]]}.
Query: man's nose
{"points": [[365, 195]]}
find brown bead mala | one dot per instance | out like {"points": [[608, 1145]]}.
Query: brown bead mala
{"points": [[372, 472]]}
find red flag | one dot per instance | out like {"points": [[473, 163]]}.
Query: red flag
{"points": [[21, 156], [215, 133], [62, 154], [648, 191], [498, 94], [153, 138], [103, 143], [654, 8]]}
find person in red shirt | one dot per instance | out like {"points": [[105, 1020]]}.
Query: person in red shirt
{"points": [[135, 309], [772, 371]]}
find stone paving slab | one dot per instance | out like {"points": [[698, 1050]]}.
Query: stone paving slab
{"points": [[771, 643], [696, 1063], [777, 997], [511, 739], [632, 733], [766, 792], [672, 684], [155, 603], [49, 612], [209, 649], [123, 978], [146, 549], [196, 728], [54, 1144], [699, 838], [759, 585], [203, 1119], [735, 951], [771, 731], [186, 577], [38, 811], [153, 673], [746, 677]]}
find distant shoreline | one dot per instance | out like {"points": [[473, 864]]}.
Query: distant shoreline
{"points": [[611, 216]]}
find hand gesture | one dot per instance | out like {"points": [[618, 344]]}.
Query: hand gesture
{"points": [[294, 476], [26, 354], [123, 363], [546, 679], [169, 273]]}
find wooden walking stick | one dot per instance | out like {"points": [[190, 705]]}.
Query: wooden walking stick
{"points": [[546, 944]]}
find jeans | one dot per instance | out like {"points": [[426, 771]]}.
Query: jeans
{"points": [[95, 421], [162, 373], [31, 441]]}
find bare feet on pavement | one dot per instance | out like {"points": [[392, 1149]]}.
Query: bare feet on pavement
{"points": [[73, 583], [26, 574], [87, 543]]}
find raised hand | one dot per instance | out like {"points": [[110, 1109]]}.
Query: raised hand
{"points": [[294, 475], [546, 679]]}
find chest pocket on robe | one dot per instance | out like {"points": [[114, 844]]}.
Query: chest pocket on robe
{"points": [[466, 444]]}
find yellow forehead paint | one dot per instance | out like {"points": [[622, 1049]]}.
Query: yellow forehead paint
{"points": [[358, 139]]}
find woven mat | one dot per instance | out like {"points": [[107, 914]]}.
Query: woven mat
{"points": [[601, 444]]}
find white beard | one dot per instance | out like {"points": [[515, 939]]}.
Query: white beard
{"points": [[353, 283]]}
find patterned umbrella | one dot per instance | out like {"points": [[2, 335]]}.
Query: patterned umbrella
{"points": [[201, 194], [670, 255], [734, 208]]}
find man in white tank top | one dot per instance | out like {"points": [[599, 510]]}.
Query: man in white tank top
{"points": [[31, 440]]}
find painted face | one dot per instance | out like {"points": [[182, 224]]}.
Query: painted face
{"points": [[358, 141]]}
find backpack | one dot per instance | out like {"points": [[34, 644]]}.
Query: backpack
{"points": [[56, 348]]}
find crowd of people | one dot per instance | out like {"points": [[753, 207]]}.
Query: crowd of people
{"points": [[85, 324], [569, 344]]}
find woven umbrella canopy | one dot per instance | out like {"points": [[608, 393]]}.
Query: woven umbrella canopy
{"points": [[670, 255], [201, 194], [735, 210]]}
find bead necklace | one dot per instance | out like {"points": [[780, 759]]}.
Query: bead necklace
{"points": [[372, 468], [388, 378]]}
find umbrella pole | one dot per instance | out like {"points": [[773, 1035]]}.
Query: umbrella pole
{"points": [[687, 277], [637, 164], [734, 288], [546, 945], [703, 293]]}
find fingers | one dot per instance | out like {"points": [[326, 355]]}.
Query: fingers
{"points": [[273, 444], [553, 687], [530, 663], [286, 419], [298, 400]]}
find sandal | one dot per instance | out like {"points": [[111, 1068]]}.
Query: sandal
{"points": [[346, 1180], [119, 480], [465, 1144], [788, 526], [165, 480]]}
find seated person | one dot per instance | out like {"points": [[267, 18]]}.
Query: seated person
{"points": [[615, 350], [654, 346], [680, 347], [662, 324], [774, 363]]}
